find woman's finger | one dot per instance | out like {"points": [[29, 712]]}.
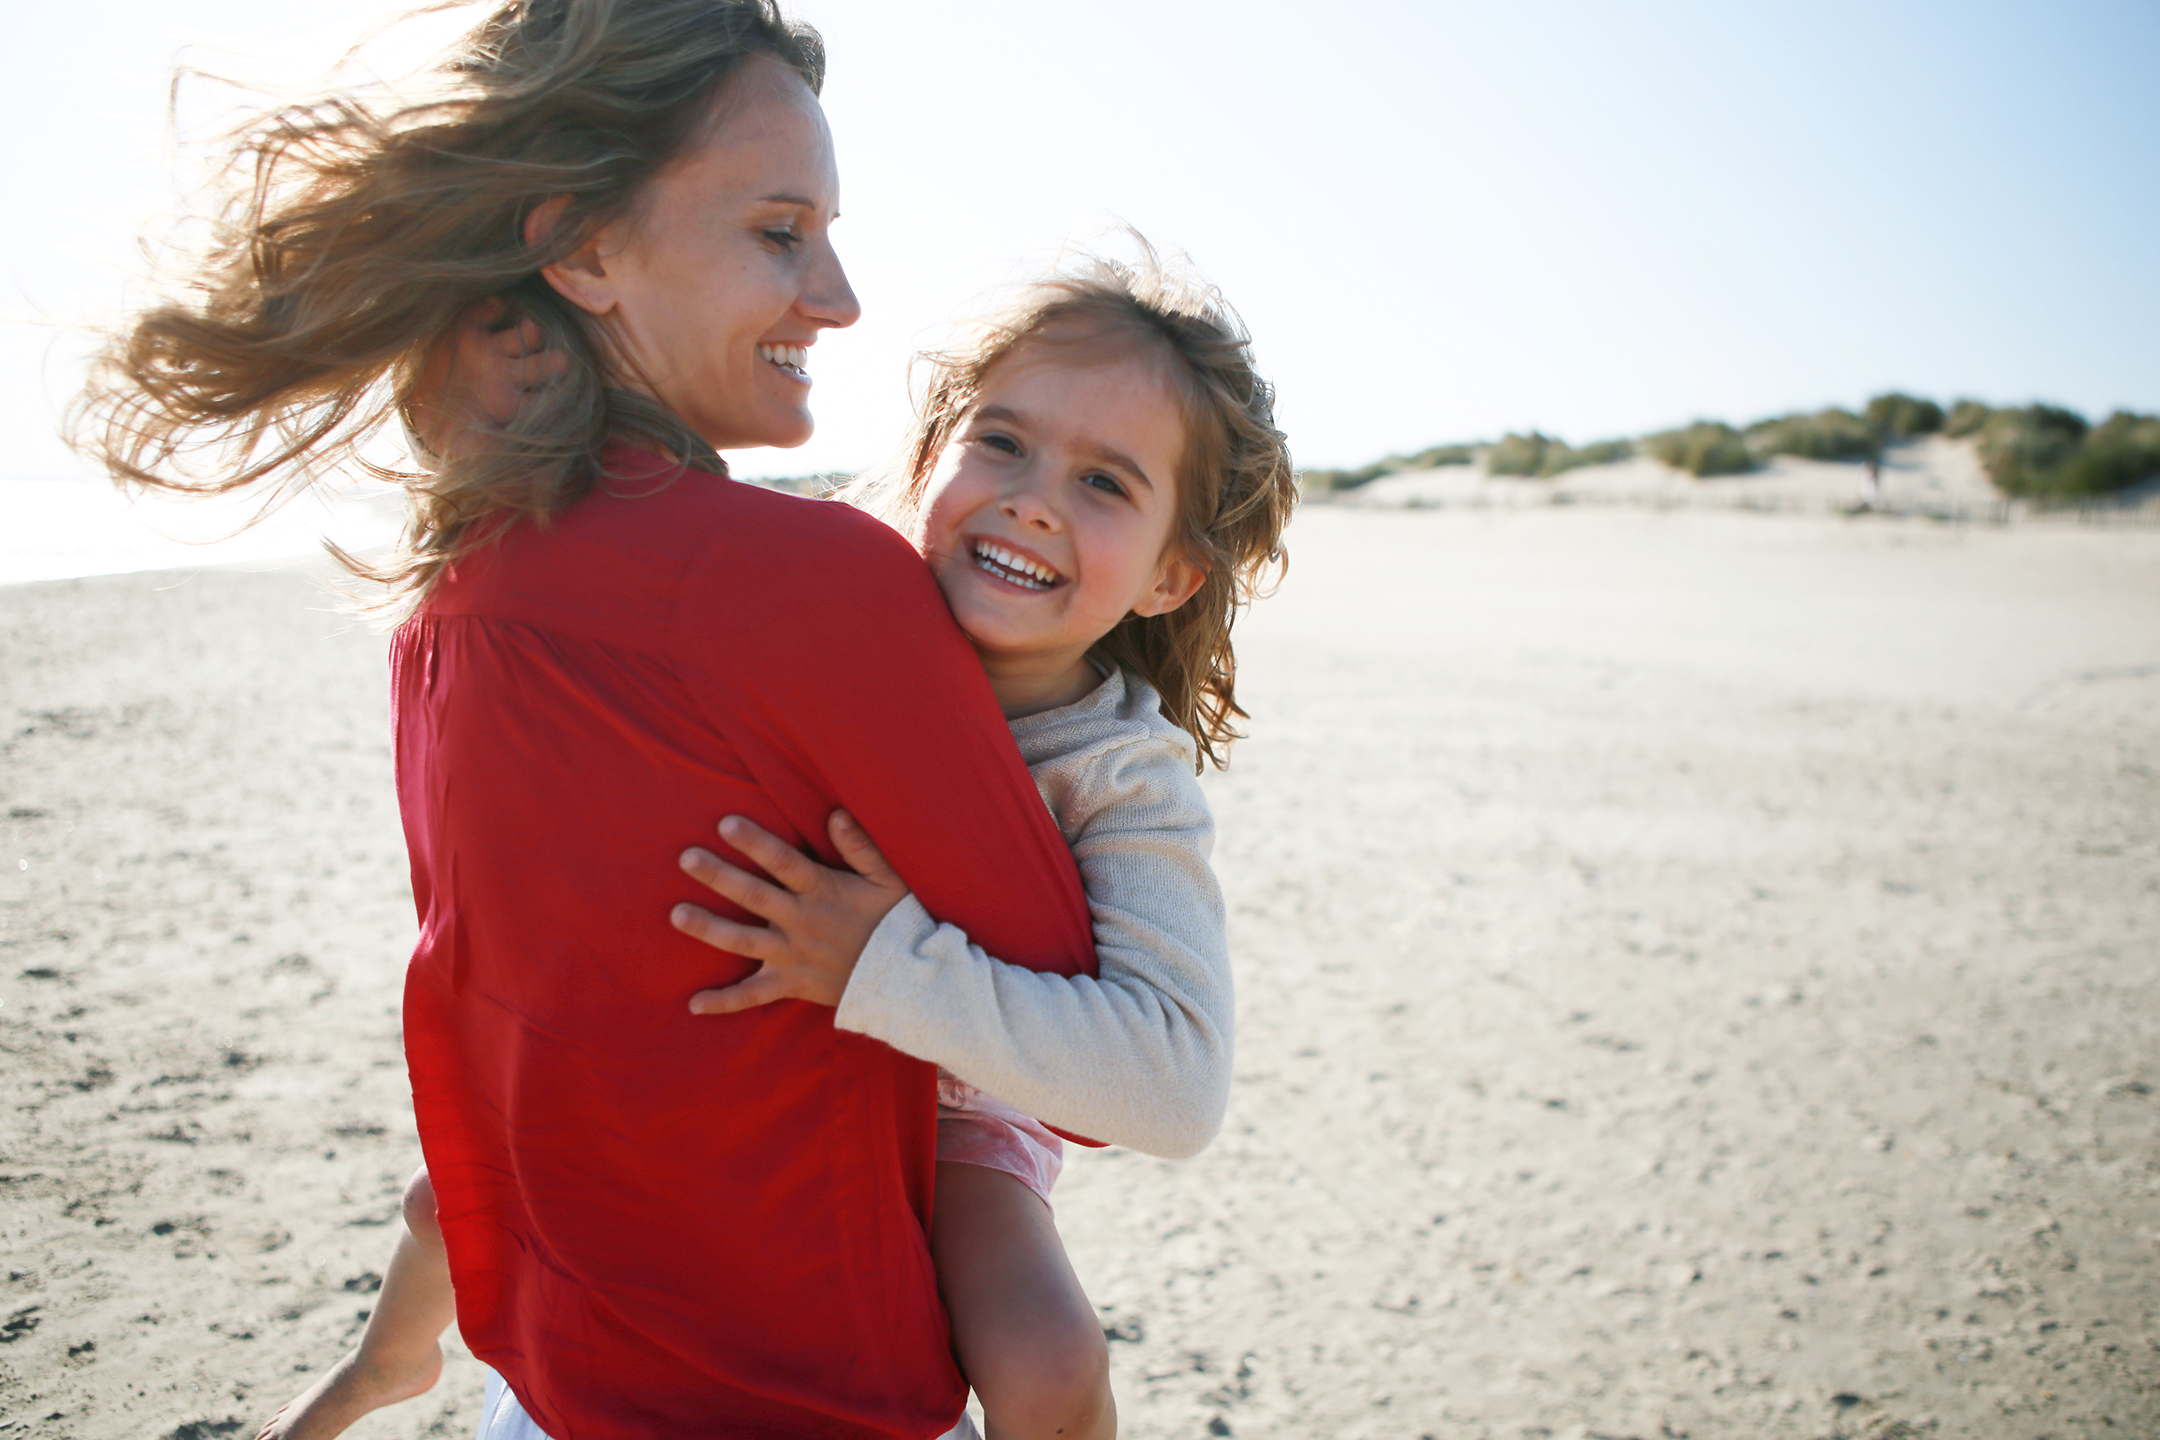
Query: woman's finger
{"points": [[760, 989], [758, 942], [797, 871], [753, 892], [855, 846]]}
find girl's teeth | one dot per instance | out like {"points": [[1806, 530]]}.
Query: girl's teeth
{"points": [[1039, 577]]}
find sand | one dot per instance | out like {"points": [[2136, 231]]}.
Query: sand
{"points": [[1697, 978]]}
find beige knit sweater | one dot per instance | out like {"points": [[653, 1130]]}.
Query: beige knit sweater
{"points": [[1140, 1054]]}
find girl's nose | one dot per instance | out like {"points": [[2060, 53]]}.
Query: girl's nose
{"points": [[1024, 504]]}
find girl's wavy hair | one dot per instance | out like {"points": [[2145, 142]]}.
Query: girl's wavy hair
{"points": [[353, 235], [1235, 485]]}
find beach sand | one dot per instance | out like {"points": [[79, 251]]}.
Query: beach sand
{"points": [[1697, 978]]}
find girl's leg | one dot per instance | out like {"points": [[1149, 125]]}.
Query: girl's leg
{"points": [[400, 1352], [1025, 1334]]}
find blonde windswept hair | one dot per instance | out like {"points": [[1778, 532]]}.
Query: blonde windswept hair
{"points": [[1235, 484], [356, 234]]}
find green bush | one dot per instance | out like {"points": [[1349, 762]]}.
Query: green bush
{"points": [[1440, 455], [1896, 416], [2030, 452], [1428, 459], [1826, 435], [2114, 455], [1520, 454], [2122, 451], [1966, 418], [1320, 480], [1706, 448], [1560, 458]]}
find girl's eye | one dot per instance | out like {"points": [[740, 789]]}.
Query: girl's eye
{"points": [[1102, 481], [997, 441]]}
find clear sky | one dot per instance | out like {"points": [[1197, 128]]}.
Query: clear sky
{"points": [[1442, 220]]}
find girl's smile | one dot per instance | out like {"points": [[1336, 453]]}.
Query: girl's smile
{"points": [[1048, 517], [1013, 565]]}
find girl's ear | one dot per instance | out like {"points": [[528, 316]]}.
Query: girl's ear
{"points": [[581, 277], [1177, 580]]}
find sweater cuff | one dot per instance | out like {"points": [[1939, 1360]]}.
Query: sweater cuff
{"points": [[886, 976]]}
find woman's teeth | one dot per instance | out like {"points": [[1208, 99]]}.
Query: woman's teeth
{"points": [[1007, 566], [787, 357]]}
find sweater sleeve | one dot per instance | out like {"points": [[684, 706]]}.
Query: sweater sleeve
{"points": [[1138, 1055]]}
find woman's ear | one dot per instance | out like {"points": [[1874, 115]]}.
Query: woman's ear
{"points": [[581, 277], [1177, 580]]}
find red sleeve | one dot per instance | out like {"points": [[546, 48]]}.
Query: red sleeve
{"points": [[844, 681]]}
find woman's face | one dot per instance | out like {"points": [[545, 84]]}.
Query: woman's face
{"points": [[712, 290]]}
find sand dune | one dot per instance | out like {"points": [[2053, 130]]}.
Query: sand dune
{"points": [[1933, 476], [1697, 977]]}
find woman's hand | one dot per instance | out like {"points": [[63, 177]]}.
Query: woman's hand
{"points": [[476, 379], [817, 919]]}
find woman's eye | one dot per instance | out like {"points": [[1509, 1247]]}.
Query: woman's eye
{"points": [[784, 239]]}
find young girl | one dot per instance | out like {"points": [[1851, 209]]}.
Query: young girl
{"points": [[1096, 482]]}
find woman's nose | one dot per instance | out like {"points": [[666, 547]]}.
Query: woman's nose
{"points": [[827, 298]]}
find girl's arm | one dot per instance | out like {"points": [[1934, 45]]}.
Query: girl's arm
{"points": [[1139, 1055]]}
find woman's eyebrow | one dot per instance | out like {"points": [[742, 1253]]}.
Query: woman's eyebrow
{"points": [[796, 200]]}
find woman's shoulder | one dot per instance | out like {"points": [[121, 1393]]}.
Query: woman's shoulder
{"points": [[655, 543]]}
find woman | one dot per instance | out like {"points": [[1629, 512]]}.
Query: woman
{"points": [[657, 1224]]}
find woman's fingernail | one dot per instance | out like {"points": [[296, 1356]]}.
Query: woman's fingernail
{"points": [[680, 917]]}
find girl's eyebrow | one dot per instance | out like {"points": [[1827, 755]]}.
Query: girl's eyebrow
{"points": [[1117, 459]]}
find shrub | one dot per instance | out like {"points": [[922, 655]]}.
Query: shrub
{"points": [[1320, 480], [1429, 459], [1826, 435], [1520, 454], [2030, 452], [1440, 455], [1896, 416], [2118, 453], [1966, 418], [1706, 448], [1560, 458]]}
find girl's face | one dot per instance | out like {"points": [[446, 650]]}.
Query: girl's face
{"points": [[1047, 519], [711, 291]]}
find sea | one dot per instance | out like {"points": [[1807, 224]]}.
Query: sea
{"points": [[57, 529]]}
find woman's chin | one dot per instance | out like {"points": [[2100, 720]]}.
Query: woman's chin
{"points": [[777, 433]]}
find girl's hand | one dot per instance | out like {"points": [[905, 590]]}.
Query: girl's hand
{"points": [[817, 918]]}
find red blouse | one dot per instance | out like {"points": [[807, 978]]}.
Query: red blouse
{"points": [[660, 1224]]}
